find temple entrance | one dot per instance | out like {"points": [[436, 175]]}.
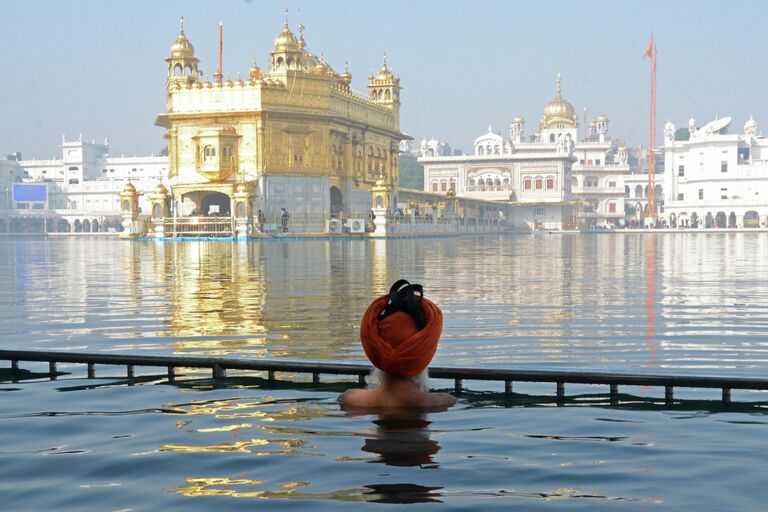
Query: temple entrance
{"points": [[215, 204], [337, 202], [720, 220]]}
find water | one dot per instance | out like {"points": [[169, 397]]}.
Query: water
{"points": [[676, 303]]}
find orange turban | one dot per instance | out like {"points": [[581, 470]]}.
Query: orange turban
{"points": [[394, 344]]}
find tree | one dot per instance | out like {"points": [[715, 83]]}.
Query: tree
{"points": [[411, 172], [682, 133]]}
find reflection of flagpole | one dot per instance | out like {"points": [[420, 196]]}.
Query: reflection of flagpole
{"points": [[650, 297]]}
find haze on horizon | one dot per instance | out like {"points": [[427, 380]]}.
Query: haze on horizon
{"points": [[97, 68]]}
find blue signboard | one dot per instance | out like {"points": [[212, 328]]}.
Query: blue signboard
{"points": [[23, 193]]}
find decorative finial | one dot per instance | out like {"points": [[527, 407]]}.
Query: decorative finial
{"points": [[322, 56], [559, 87], [182, 25], [490, 129], [301, 29], [384, 65], [346, 70], [286, 18]]}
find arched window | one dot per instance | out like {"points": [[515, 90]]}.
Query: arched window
{"points": [[497, 184], [506, 183], [551, 137], [639, 191], [177, 70], [279, 62], [550, 183], [626, 190], [471, 185], [387, 95], [488, 149], [188, 71], [209, 152], [443, 186], [480, 150], [452, 185], [527, 183], [539, 183], [496, 150], [434, 186], [481, 184]]}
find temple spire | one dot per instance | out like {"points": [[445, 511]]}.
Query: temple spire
{"points": [[559, 86]]}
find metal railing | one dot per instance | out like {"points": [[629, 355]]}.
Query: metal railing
{"points": [[219, 367], [198, 226]]}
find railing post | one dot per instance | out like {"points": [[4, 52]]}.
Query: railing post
{"points": [[669, 395], [171, 373], [361, 380], [315, 378], [129, 371], [52, 369], [91, 370], [614, 394], [560, 392], [457, 385], [271, 375], [508, 387], [726, 396], [219, 372], [15, 365]]}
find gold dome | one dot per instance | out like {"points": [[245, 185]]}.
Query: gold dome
{"points": [[384, 73], [346, 76], [254, 73], [559, 110], [160, 189], [129, 188], [181, 47], [286, 40]]}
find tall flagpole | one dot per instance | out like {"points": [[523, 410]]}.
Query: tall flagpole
{"points": [[651, 208]]}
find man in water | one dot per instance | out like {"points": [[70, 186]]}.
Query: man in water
{"points": [[400, 332]]}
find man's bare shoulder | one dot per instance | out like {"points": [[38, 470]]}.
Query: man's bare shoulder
{"points": [[366, 398]]}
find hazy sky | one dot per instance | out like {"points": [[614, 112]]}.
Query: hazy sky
{"points": [[97, 67]]}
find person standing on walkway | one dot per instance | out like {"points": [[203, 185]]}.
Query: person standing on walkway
{"points": [[284, 216]]}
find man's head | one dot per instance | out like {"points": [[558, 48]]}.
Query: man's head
{"points": [[392, 341]]}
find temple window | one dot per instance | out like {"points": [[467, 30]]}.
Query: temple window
{"points": [[539, 183], [550, 183], [434, 186], [527, 184]]}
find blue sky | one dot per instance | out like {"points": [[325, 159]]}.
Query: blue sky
{"points": [[97, 67]]}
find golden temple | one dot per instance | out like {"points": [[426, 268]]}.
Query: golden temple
{"points": [[295, 136]]}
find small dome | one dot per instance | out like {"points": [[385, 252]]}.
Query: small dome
{"points": [[346, 76], [181, 47], [129, 188], [602, 117], [518, 119], [161, 190], [241, 187], [384, 73], [286, 40], [254, 73], [750, 125]]}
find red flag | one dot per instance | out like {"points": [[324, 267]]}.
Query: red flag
{"points": [[649, 51]]}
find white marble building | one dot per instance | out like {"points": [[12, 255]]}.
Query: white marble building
{"points": [[716, 178], [555, 182], [83, 185]]}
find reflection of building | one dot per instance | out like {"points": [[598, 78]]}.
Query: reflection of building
{"points": [[296, 135], [539, 173], [636, 185], [716, 179]]}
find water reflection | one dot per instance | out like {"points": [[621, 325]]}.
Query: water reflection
{"points": [[402, 439], [604, 301]]}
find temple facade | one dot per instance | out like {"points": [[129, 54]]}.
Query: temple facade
{"points": [[294, 136]]}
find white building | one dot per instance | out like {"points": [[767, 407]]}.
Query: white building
{"points": [[554, 182], [716, 179], [599, 177], [82, 186]]}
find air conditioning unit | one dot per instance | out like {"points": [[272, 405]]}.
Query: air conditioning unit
{"points": [[334, 226], [356, 225]]}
